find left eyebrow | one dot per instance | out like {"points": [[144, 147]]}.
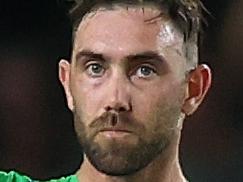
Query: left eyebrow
{"points": [[147, 55], [87, 53]]}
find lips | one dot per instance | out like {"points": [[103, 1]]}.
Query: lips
{"points": [[115, 130], [115, 133]]}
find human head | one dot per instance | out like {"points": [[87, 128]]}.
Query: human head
{"points": [[131, 73]]}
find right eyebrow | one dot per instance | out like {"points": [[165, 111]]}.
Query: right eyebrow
{"points": [[88, 54]]}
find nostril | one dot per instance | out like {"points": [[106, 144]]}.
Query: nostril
{"points": [[122, 109], [108, 108], [117, 109]]}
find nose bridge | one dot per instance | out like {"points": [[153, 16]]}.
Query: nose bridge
{"points": [[118, 92]]}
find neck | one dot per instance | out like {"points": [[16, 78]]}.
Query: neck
{"points": [[165, 168]]}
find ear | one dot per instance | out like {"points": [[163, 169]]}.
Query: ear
{"points": [[64, 77], [199, 81]]}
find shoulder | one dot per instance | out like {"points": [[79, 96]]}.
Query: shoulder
{"points": [[71, 178], [13, 177], [16, 177]]}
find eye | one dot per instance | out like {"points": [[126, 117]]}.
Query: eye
{"points": [[145, 71], [95, 70]]}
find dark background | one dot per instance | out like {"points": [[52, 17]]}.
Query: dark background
{"points": [[36, 129]]}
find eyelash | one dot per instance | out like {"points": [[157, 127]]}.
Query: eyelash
{"points": [[89, 72], [147, 66], [134, 72]]}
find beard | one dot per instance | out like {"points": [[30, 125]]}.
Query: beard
{"points": [[116, 158], [122, 160]]}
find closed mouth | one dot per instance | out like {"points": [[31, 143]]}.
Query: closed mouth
{"points": [[115, 130]]}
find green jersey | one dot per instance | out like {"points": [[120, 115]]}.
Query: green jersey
{"points": [[15, 177]]}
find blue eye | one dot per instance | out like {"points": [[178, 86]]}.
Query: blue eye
{"points": [[95, 70], [145, 71]]}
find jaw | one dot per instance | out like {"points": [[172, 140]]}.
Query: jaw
{"points": [[164, 167]]}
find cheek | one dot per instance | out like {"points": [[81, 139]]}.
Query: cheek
{"points": [[149, 99], [159, 107], [87, 99]]}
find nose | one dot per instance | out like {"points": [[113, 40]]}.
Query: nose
{"points": [[118, 95]]}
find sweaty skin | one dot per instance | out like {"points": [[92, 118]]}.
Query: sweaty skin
{"points": [[129, 92]]}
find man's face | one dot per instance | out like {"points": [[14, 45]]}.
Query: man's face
{"points": [[127, 83]]}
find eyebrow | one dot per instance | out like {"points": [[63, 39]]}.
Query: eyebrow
{"points": [[147, 55], [90, 54]]}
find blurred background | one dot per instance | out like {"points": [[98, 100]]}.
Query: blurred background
{"points": [[36, 129]]}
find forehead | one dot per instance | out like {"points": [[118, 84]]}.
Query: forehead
{"points": [[127, 31]]}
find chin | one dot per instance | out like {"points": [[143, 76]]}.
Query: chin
{"points": [[122, 160]]}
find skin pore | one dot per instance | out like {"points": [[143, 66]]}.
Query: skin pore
{"points": [[129, 89]]}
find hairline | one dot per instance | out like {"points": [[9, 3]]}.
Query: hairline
{"points": [[194, 46]]}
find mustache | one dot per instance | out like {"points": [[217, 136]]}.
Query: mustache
{"points": [[115, 121]]}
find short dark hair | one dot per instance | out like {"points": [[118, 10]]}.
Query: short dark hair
{"points": [[187, 15]]}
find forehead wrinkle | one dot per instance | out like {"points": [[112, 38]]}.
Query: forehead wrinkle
{"points": [[137, 31], [167, 36], [137, 10], [157, 18]]}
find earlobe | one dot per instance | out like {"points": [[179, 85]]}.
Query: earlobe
{"points": [[64, 77], [199, 82]]}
